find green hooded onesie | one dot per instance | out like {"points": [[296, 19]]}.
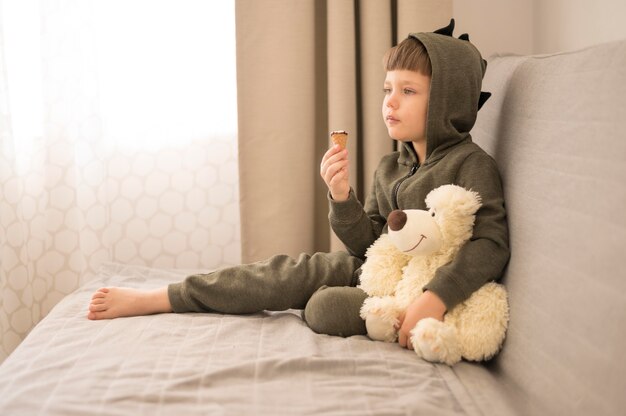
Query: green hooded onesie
{"points": [[324, 282]]}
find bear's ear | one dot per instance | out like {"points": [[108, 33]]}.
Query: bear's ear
{"points": [[471, 203], [454, 196]]}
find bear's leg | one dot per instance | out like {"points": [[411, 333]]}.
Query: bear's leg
{"points": [[381, 317], [436, 341], [380, 330]]}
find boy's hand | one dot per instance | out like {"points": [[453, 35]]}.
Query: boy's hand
{"points": [[428, 305], [334, 171]]}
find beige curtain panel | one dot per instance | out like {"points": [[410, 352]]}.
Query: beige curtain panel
{"points": [[305, 68]]}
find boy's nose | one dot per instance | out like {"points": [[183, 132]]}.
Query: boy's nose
{"points": [[391, 102]]}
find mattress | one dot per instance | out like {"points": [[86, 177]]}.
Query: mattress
{"points": [[267, 363]]}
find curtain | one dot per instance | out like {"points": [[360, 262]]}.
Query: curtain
{"points": [[305, 68], [117, 144]]}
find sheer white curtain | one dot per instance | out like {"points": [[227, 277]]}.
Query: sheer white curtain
{"points": [[117, 143]]}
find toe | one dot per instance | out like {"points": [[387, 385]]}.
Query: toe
{"points": [[97, 307], [98, 295], [94, 316]]}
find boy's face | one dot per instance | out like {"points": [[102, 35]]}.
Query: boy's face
{"points": [[406, 104]]}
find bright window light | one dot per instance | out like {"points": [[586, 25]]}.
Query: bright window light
{"points": [[165, 70], [22, 66]]}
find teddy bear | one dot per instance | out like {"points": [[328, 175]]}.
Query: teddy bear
{"points": [[400, 263]]}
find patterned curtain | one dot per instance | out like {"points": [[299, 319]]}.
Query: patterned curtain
{"points": [[117, 144]]}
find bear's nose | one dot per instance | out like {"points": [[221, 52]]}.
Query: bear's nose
{"points": [[396, 220]]}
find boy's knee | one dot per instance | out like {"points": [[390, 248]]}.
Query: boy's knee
{"points": [[336, 311]]}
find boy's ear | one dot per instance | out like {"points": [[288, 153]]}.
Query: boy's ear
{"points": [[446, 31]]}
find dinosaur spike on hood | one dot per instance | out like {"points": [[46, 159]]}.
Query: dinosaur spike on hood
{"points": [[446, 31], [464, 36], [484, 96]]}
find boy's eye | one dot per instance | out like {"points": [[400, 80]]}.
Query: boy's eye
{"points": [[386, 90], [408, 91]]}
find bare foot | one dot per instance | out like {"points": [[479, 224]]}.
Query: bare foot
{"points": [[115, 302]]}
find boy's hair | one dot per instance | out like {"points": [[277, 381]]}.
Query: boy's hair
{"points": [[411, 55]]}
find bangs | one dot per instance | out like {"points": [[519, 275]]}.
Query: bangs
{"points": [[411, 55]]}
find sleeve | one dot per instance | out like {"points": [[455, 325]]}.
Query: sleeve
{"points": [[356, 226], [484, 256]]}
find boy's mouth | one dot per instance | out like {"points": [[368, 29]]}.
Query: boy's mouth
{"points": [[391, 119]]}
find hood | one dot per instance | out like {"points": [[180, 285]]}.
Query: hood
{"points": [[455, 96]]}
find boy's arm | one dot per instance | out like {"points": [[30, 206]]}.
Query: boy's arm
{"points": [[480, 260], [484, 256], [356, 227]]}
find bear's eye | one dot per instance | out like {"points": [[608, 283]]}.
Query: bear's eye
{"points": [[432, 213]]}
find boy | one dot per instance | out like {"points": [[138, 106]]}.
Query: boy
{"points": [[432, 94]]}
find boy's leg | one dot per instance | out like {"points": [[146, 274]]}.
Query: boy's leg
{"points": [[279, 283], [336, 311]]}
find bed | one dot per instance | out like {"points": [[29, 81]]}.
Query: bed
{"points": [[212, 364], [555, 126]]}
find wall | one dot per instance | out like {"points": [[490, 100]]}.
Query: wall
{"points": [[496, 25], [539, 26], [562, 25]]}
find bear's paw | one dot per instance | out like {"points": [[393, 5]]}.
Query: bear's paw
{"points": [[435, 341]]}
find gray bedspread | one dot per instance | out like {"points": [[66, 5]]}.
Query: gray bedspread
{"points": [[213, 364]]}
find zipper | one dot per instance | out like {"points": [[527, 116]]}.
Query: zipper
{"points": [[396, 188]]}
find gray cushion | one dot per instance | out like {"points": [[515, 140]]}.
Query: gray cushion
{"points": [[555, 127]]}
